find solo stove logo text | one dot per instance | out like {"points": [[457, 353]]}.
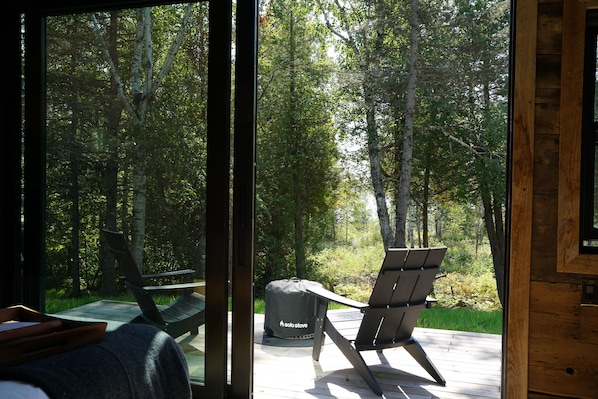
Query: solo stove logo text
{"points": [[292, 325]]}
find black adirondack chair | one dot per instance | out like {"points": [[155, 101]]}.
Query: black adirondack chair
{"points": [[185, 314], [388, 319]]}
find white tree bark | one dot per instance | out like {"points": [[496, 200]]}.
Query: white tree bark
{"points": [[407, 158], [143, 90], [367, 64]]}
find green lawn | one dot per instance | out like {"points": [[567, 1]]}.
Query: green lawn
{"points": [[460, 319]]}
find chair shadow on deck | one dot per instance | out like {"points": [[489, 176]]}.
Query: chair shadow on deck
{"points": [[339, 379], [397, 383]]}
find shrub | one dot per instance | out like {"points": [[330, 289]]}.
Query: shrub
{"points": [[467, 291]]}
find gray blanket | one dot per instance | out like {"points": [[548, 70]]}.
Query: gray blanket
{"points": [[133, 361]]}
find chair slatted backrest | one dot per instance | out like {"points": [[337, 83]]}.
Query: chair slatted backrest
{"points": [[133, 280], [399, 295]]}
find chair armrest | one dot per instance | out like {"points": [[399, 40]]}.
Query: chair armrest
{"points": [[176, 273], [173, 287], [331, 296], [430, 301]]}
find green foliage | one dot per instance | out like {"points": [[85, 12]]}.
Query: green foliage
{"points": [[352, 272], [462, 258], [312, 149], [466, 278], [456, 290], [342, 266], [297, 174], [91, 144]]}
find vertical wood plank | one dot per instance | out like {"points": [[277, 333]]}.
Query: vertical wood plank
{"points": [[568, 256], [524, 77]]}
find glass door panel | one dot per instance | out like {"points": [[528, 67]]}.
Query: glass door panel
{"points": [[127, 144]]}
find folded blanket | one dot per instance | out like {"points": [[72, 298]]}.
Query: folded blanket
{"points": [[133, 361]]}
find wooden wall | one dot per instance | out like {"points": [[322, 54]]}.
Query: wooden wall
{"points": [[552, 341]]}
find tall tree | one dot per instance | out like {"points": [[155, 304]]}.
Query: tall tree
{"points": [[369, 32], [469, 110], [143, 88], [296, 148], [73, 109], [407, 158], [90, 144], [110, 171], [486, 27]]}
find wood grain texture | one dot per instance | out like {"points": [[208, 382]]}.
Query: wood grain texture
{"points": [[521, 198], [546, 162], [554, 312], [563, 368], [588, 321], [550, 15]]}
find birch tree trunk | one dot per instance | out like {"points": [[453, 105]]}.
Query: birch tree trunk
{"points": [[366, 46], [376, 173], [143, 90], [407, 159], [368, 65]]}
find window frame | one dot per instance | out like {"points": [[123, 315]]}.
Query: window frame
{"points": [[570, 259], [588, 230]]}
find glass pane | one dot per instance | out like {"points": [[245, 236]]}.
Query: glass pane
{"points": [[595, 209], [596, 86], [126, 150], [595, 188]]}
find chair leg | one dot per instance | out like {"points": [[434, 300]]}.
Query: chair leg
{"points": [[354, 357], [418, 353], [322, 308]]}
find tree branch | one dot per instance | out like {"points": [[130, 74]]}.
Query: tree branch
{"points": [[115, 74], [174, 48]]}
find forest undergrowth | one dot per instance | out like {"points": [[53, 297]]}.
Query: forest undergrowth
{"points": [[465, 280]]}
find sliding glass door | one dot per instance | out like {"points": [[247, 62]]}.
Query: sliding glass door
{"points": [[127, 126]]}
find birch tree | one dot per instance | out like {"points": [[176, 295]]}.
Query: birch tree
{"points": [[467, 111], [137, 99], [407, 158], [368, 31]]}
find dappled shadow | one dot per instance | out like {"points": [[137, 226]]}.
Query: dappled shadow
{"points": [[471, 364], [394, 383]]}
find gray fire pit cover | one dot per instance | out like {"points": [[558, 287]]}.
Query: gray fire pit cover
{"points": [[290, 309]]}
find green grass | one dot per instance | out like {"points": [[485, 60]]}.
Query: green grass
{"points": [[459, 319], [462, 319], [56, 303]]}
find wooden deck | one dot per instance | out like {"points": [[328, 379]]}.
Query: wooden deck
{"points": [[470, 362]]}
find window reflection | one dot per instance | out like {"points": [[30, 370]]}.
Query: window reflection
{"points": [[127, 148]]}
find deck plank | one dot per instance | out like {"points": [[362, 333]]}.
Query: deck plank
{"points": [[470, 362], [471, 371]]}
